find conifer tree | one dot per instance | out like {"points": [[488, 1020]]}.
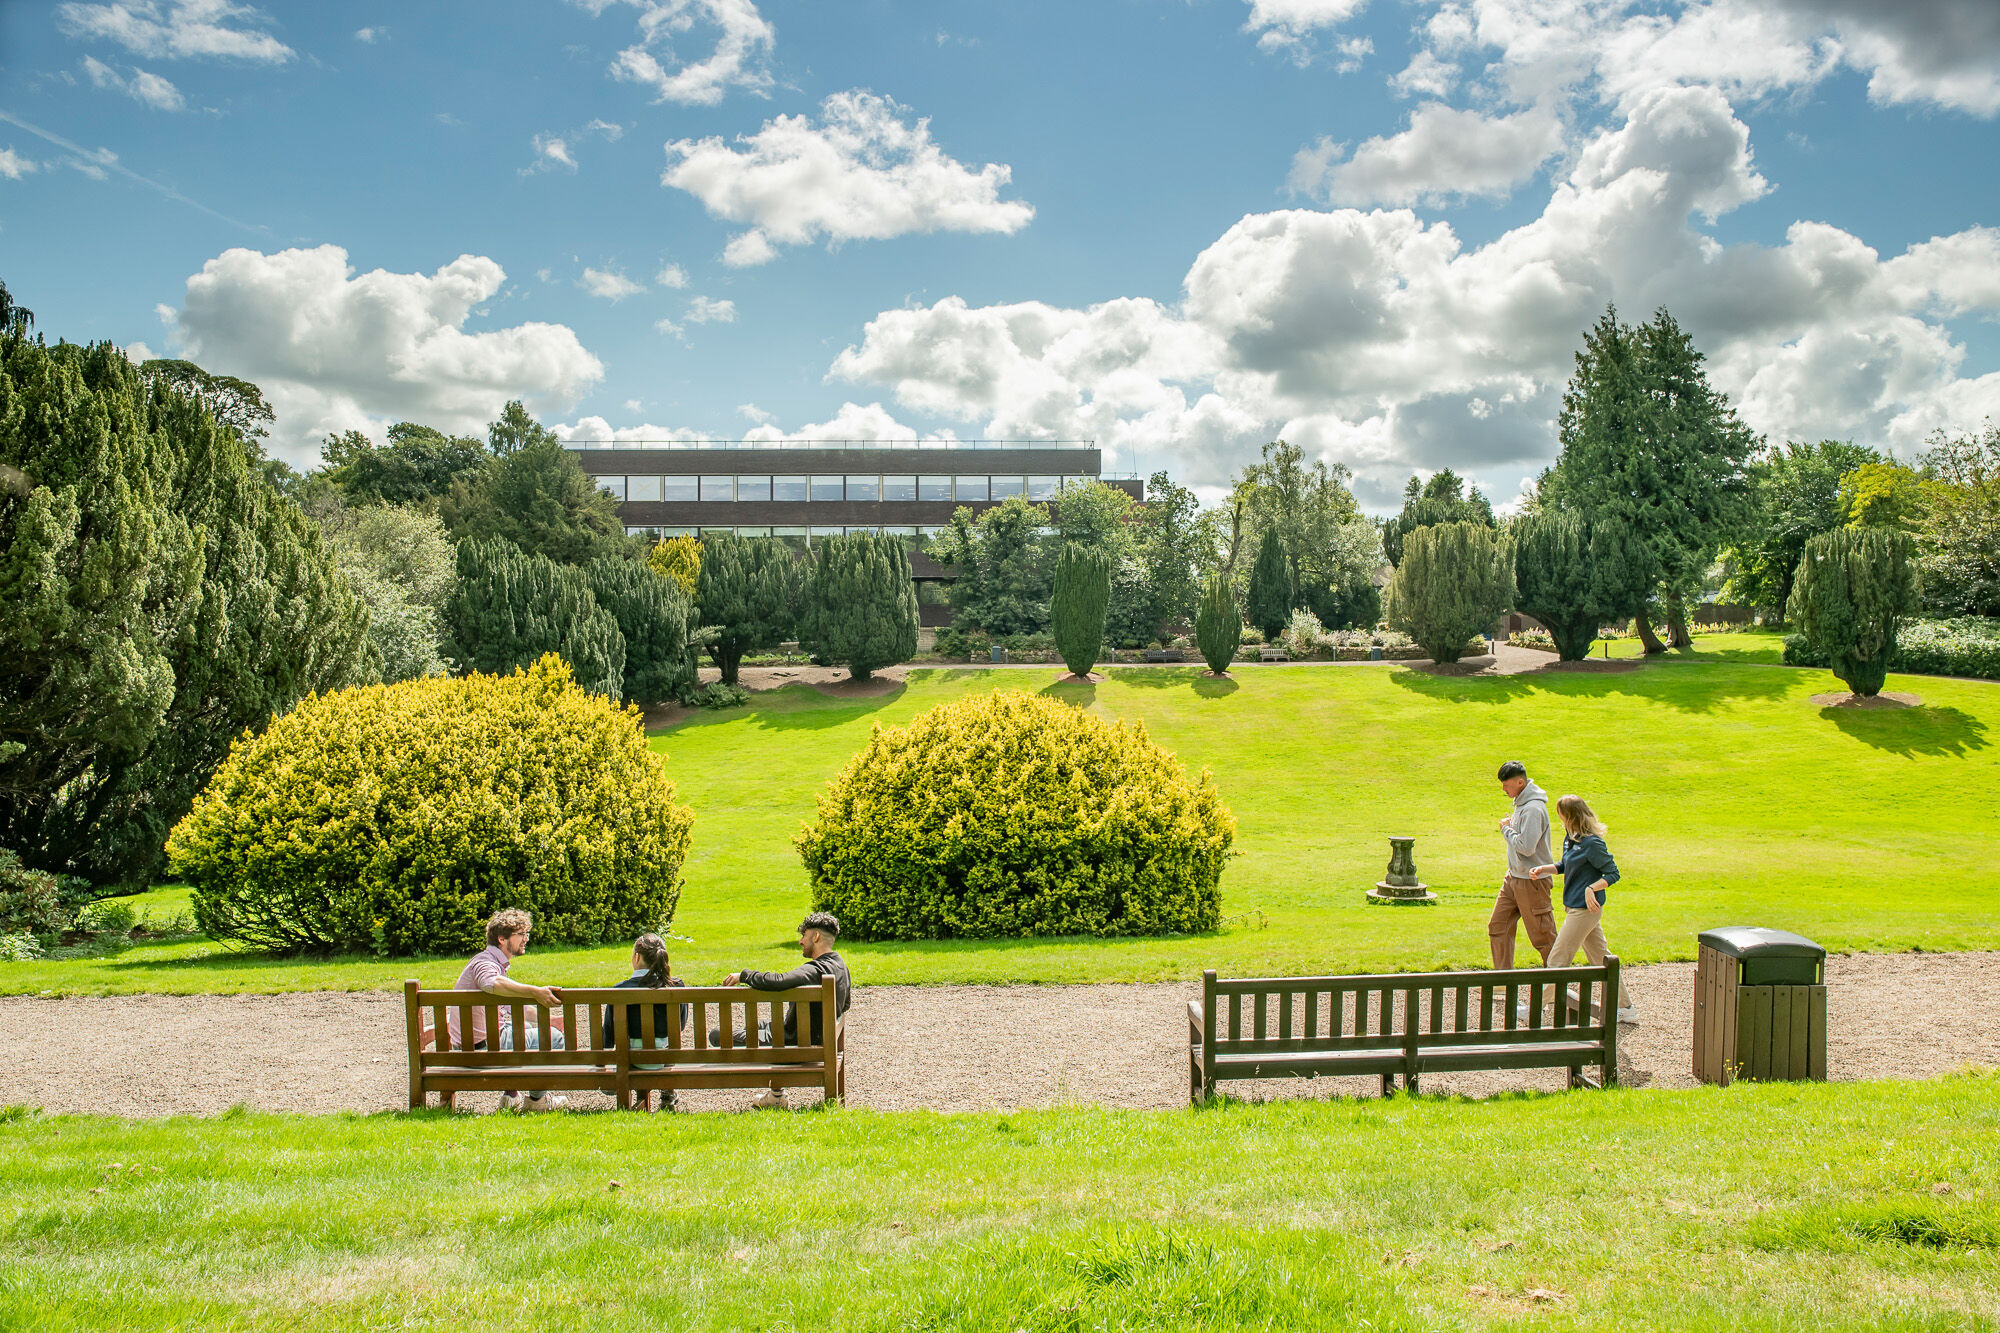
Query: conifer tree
{"points": [[1076, 609], [157, 598], [539, 498], [1218, 625], [1269, 600], [1573, 576], [510, 608], [655, 619], [747, 589], [1853, 588], [1454, 581], [860, 607]]}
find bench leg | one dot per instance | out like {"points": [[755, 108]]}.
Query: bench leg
{"points": [[1388, 1085], [840, 1083], [448, 1100]]}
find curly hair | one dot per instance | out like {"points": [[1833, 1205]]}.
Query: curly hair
{"points": [[506, 923]]}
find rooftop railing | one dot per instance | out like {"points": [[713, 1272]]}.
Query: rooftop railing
{"points": [[829, 444]]}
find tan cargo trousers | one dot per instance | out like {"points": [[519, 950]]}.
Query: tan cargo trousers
{"points": [[1525, 901]]}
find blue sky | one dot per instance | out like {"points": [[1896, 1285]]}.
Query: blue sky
{"points": [[1375, 227]]}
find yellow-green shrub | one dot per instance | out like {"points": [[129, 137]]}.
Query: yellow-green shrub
{"points": [[1009, 815], [396, 818]]}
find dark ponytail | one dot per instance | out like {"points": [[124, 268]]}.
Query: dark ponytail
{"points": [[652, 951]]}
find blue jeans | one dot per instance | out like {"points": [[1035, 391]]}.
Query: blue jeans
{"points": [[531, 1041]]}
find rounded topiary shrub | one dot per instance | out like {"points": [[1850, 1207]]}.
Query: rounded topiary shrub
{"points": [[396, 818], [1009, 815]]}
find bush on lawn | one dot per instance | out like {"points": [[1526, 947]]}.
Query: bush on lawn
{"points": [[395, 818], [31, 901], [1011, 815], [1218, 625], [1854, 588], [1455, 580], [1964, 646]]}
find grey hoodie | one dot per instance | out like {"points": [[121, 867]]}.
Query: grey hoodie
{"points": [[1528, 834]]}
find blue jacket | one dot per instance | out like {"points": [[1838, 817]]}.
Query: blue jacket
{"points": [[1585, 860]]}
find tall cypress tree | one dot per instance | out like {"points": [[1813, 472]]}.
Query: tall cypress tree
{"points": [[860, 607], [508, 609], [746, 589], [1076, 609], [1268, 603], [654, 617], [157, 598], [1454, 581], [1218, 625], [1853, 588]]}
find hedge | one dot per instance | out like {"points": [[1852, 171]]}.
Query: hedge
{"points": [[1012, 815], [395, 818], [1966, 646]]}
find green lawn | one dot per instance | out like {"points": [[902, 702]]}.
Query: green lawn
{"points": [[1749, 644], [1866, 1206], [1731, 800]]}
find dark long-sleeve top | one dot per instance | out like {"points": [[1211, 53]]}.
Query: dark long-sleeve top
{"points": [[809, 973], [1585, 860], [632, 1016]]}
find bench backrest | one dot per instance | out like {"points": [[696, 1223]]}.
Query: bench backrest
{"points": [[734, 1010], [1386, 1011]]}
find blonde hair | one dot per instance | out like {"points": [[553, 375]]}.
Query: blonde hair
{"points": [[1578, 817]]}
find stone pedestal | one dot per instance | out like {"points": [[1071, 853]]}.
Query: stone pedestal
{"points": [[1400, 887]]}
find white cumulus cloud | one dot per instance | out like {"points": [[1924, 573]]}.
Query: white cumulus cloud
{"points": [[335, 350], [704, 310], [177, 29], [13, 166], [609, 284], [739, 58], [555, 151], [671, 275], [1445, 153], [151, 89], [861, 172], [1282, 24]]}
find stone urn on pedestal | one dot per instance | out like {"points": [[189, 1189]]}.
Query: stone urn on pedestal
{"points": [[1400, 887]]}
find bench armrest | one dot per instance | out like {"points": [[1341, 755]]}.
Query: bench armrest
{"points": [[1194, 1022]]}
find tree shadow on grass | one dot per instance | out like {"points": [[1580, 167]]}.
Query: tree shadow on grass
{"points": [[1159, 677], [1924, 730], [797, 707], [1079, 693], [1690, 691], [1216, 687]]}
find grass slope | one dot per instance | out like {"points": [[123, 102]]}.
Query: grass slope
{"points": [[1731, 800], [1582, 1210]]}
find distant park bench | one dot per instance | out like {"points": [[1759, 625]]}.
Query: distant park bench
{"points": [[1410, 1024], [622, 1066], [1271, 652], [1165, 655]]}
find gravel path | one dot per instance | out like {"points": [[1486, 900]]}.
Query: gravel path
{"points": [[944, 1048]]}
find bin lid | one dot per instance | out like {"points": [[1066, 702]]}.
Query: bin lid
{"points": [[1760, 942]]}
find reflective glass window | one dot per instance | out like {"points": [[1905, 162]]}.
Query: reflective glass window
{"points": [[679, 488], [612, 486], [971, 488], [899, 488], [934, 488], [749, 532], [753, 488], [642, 488], [864, 488], [718, 488], [788, 488], [829, 488], [1002, 487], [1043, 488]]}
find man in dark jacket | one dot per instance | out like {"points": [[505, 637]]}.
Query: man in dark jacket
{"points": [[816, 936]]}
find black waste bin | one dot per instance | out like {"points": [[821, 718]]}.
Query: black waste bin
{"points": [[1759, 1006]]}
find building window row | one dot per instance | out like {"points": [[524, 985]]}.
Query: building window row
{"points": [[740, 488], [656, 532]]}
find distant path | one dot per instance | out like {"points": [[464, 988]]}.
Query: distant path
{"points": [[1889, 1015]]}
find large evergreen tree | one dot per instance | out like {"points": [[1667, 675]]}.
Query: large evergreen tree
{"points": [[1854, 588], [860, 608], [1218, 625], [1574, 576], [418, 465], [157, 598], [1444, 498], [747, 589], [509, 608], [1001, 570], [1646, 440], [1269, 602], [1454, 581], [539, 498], [1795, 495], [1076, 610], [655, 618]]}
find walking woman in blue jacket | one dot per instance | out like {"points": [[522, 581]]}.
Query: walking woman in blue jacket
{"points": [[1587, 871]]}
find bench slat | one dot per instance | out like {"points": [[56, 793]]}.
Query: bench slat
{"points": [[1518, 975]]}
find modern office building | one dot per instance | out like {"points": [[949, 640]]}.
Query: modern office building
{"points": [[820, 488]]}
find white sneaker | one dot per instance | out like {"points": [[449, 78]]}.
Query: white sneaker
{"points": [[544, 1103], [509, 1101], [770, 1099], [1629, 1014]]}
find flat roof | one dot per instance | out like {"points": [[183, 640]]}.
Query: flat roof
{"points": [[734, 445]]}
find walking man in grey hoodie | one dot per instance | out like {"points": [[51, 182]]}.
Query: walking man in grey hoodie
{"points": [[1523, 898]]}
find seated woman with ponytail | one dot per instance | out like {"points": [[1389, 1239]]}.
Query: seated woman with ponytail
{"points": [[650, 969]]}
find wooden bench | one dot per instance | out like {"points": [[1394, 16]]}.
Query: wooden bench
{"points": [[591, 1064], [1271, 652], [1165, 655], [1410, 1024]]}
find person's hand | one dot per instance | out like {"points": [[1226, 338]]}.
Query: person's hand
{"points": [[548, 996], [1594, 901], [1505, 822], [731, 980], [1541, 872]]}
